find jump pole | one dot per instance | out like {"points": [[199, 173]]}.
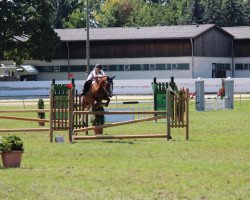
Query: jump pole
{"points": [[24, 119], [99, 137], [24, 130], [24, 111], [118, 124]]}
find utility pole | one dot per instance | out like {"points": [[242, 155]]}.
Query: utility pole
{"points": [[87, 40]]}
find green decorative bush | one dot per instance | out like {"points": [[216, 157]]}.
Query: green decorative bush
{"points": [[98, 119], [40, 105], [11, 143]]}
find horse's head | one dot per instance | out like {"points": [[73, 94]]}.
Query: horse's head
{"points": [[109, 85]]}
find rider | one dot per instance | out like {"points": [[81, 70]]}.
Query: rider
{"points": [[93, 77]]}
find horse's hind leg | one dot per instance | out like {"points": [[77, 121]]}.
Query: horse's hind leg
{"points": [[85, 107]]}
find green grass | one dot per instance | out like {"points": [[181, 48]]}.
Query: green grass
{"points": [[213, 164]]}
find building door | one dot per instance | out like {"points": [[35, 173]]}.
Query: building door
{"points": [[220, 73], [219, 70]]}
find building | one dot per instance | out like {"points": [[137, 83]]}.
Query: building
{"points": [[184, 51], [241, 49]]}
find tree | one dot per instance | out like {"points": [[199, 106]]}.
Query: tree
{"points": [[247, 12], [25, 31], [114, 13], [212, 13], [233, 13], [62, 9], [160, 14], [158, 1], [77, 19], [194, 12]]}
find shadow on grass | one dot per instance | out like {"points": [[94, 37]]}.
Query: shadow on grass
{"points": [[119, 142]]}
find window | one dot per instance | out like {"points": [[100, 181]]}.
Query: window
{"points": [[44, 68], [174, 67], [183, 66], [152, 67], [135, 67], [245, 66], [145, 67], [126, 67], [105, 67], [78, 68], [112, 67], [221, 66], [168, 66], [120, 68], [160, 66], [238, 66], [64, 68], [56, 68], [227, 66]]}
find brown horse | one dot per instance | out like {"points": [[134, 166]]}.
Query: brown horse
{"points": [[102, 89]]}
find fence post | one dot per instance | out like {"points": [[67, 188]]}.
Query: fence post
{"points": [[199, 100], [51, 121], [187, 113], [168, 107], [71, 95], [229, 93]]}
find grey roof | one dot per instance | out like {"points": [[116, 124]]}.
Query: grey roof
{"points": [[135, 33], [239, 32]]}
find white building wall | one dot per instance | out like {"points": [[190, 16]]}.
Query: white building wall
{"points": [[203, 66], [242, 73], [161, 74]]}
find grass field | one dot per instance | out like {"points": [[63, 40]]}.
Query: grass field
{"points": [[213, 164]]}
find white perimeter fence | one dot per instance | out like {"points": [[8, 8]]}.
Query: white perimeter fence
{"points": [[121, 87]]}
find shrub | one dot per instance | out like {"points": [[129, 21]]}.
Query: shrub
{"points": [[40, 105], [11, 143]]}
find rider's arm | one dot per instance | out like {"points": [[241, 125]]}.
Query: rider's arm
{"points": [[102, 73], [99, 75]]}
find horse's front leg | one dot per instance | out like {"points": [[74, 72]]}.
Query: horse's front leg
{"points": [[97, 104], [107, 103]]}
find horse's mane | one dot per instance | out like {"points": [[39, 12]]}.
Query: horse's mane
{"points": [[101, 82]]}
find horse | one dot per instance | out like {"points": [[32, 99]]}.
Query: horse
{"points": [[101, 90]]}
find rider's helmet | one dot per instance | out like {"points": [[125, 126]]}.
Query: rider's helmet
{"points": [[98, 66]]}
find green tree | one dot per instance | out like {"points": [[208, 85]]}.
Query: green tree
{"points": [[114, 13], [62, 9], [158, 1], [25, 31], [212, 13], [247, 12], [194, 12], [233, 13], [77, 19], [154, 15]]}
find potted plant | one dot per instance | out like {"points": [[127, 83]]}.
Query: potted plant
{"points": [[11, 149], [41, 115], [98, 120]]}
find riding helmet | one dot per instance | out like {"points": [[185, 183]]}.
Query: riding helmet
{"points": [[99, 66]]}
